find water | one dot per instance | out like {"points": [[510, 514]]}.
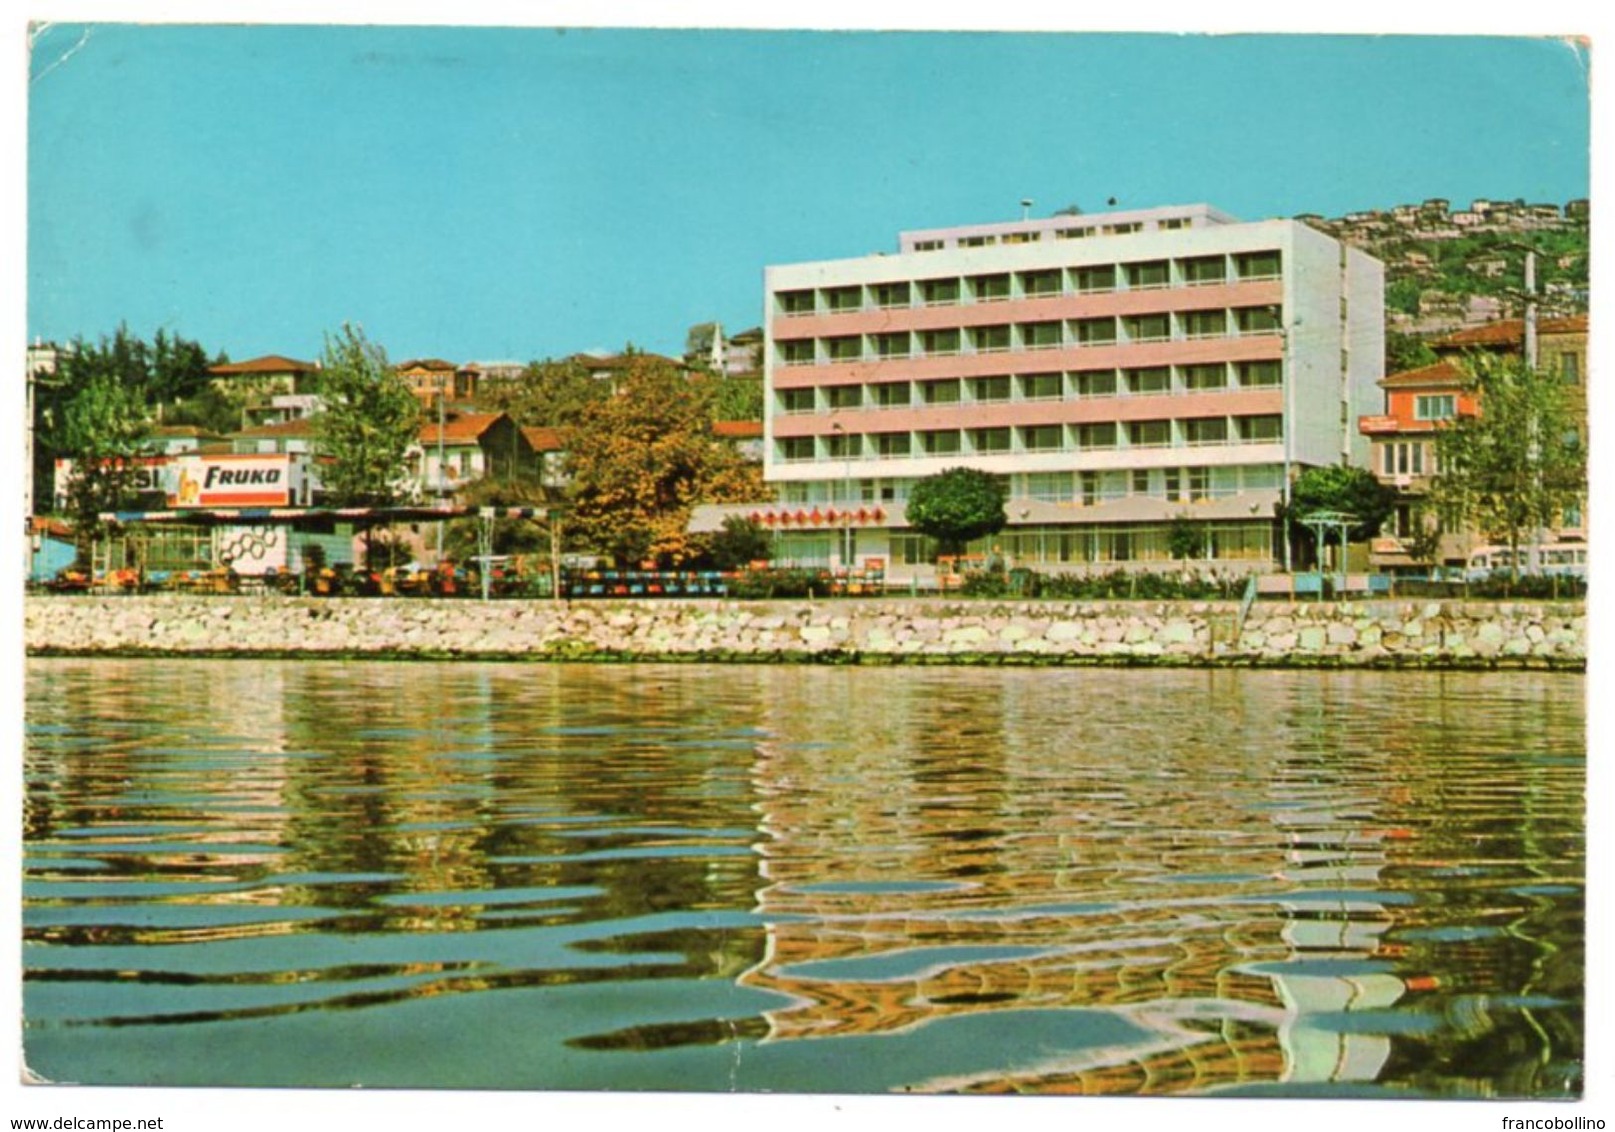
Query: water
{"points": [[804, 879]]}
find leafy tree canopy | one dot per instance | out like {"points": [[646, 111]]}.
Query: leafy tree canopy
{"points": [[642, 459], [1517, 464], [104, 430], [956, 506], [548, 394], [1340, 487], [368, 421]]}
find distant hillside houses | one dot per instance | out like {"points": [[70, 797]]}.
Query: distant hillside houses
{"points": [[1434, 220]]}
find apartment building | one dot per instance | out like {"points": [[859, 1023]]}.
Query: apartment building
{"points": [[1119, 370]]}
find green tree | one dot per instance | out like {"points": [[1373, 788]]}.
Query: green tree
{"points": [[956, 506], [1406, 351], [738, 397], [740, 543], [367, 422], [641, 460], [104, 430], [1185, 538], [548, 394], [1342, 488], [1514, 466]]}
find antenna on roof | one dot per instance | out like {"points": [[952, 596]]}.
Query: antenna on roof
{"points": [[1026, 207]]}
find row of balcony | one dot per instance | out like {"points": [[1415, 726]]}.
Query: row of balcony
{"points": [[1048, 282], [1076, 385], [1005, 440], [1052, 334]]}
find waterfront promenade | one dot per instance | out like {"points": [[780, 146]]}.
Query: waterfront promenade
{"points": [[1364, 634]]}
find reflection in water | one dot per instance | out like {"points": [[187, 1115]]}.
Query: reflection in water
{"points": [[1085, 881]]}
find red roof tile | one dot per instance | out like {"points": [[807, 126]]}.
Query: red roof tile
{"points": [[436, 365], [1511, 331], [269, 363], [1441, 373], [459, 428], [544, 439]]}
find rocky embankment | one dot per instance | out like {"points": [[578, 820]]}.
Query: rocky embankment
{"points": [[1390, 634]]}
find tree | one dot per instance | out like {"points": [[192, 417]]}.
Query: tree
{"points": [[641, 460], [1185, 538], [104, 431], [956, 506], [1340, 487], [740, 543], [366, 425], [1406, 351], [1519, 462], [548, 394]]}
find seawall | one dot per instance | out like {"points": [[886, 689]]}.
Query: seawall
{"points": [[1366, 634]]}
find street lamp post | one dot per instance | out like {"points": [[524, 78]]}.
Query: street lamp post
{"points": [[846, 496]]}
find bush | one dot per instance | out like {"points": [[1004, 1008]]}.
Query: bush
{"points": [[754, 584]]}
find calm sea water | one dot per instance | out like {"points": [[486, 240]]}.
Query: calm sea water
{"points": [[804, 879]]}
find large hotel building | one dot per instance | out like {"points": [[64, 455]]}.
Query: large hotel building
{"points": [[1119, 370]]}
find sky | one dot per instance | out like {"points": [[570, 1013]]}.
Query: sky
{"points": [[480, 193]]}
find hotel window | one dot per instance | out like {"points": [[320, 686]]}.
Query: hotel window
{"points": [[1172, 481], [1149, 434], [1092, 279], [845, 349], [989, 339], [1156, 379], [1101, 434], [1570, 368], [944, 443], [1148, 327], [1205, 324], [1204, 270], [797, 353], [1173, 223], [1258, 265], [1096, 331], [990, 388], [892, 443], [796, 302], [1072, 233], [890, 395], [1095, 383], [1205, 377], [891, 294], [1261, 430], [939, 292], [1035, 284], [939, 342], [943, 391], [793, 449], [1199, 484], [989, 288], [1021, 237], [977, 241], [797, 400], [1206, 430], [845, 396], [1123, 229], [1435, 407], [838, 299], [1043, 438], [1041, 387], [1041, 335], [1049, 487], [1150, 275], [1090, 487], [1257, 320], [1257, 375], [892, 345], [840, 446], [927, 245], [1141, 481]]}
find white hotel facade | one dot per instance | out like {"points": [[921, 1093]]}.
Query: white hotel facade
{"points": [[1119, 370]]}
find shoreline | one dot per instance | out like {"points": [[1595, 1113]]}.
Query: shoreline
{"points": [[1392, 635]]}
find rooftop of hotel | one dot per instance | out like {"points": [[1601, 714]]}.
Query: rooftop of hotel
{"points": [[1067, 224]]}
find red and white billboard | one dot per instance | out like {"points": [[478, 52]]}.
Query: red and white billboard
{"points": [[230, 480]]}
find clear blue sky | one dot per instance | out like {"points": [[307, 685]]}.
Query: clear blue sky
{"points": [[479, 193]]}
